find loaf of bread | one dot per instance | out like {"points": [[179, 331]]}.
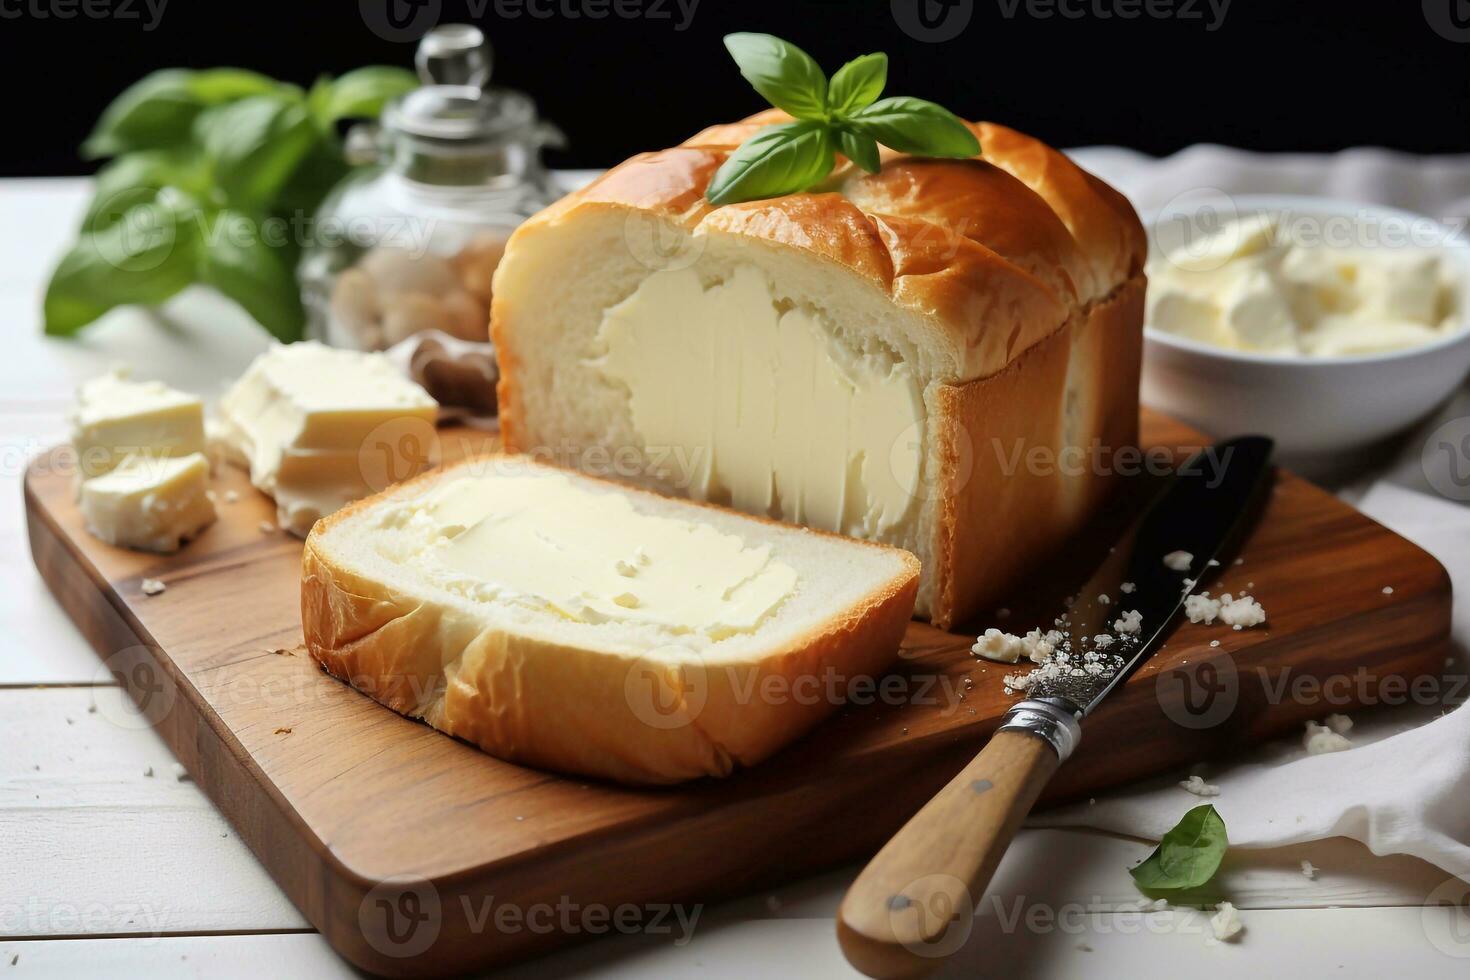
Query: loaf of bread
{"points": [[942, 356], [581, 625]]}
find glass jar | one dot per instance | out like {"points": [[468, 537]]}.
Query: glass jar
{"points": [[406, 245]]}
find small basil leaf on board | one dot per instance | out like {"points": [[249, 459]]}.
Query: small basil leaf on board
{"points": [[254, 145], [237, 261], [146, 256], [782, 73], [860, 149], [362, 93], [1187, 856], [858, 83], [780, 159], [911, 125]]}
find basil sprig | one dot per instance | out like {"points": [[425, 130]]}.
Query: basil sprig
{"points": [[1187, 856], [203, 160], [841, 115]]}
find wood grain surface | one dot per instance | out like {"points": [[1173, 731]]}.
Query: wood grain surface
{"points": [[402, 846]]}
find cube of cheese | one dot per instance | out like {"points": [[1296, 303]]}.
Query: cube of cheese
{"points": [[115, 417], [151, 503], [320, 427]]}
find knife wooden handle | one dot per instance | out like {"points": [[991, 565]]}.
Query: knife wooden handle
{"points": [[913, 904]]}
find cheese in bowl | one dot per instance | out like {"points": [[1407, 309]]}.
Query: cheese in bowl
{"points": [[1273, 285], [1328, 325]]}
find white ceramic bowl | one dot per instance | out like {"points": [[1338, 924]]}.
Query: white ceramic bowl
{"points": [[1317, 408]]}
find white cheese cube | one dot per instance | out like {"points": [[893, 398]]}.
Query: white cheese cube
{"points": [[320, 427], [149, 503], [115, 418]]}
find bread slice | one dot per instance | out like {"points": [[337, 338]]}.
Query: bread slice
{"points": [[989, 311], [737, 634]]}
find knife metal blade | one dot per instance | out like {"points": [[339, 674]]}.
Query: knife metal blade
{"points": [[1203, 509]]}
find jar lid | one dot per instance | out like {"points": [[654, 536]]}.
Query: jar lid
{"points": [[461, 113], [455, 104]]}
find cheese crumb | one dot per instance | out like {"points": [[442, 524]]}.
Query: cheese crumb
{"points": [[626, 568], [1008, 648], [231, 496], [1104, 600], [1178, 561], [1388, 590], [1199, 787], [1201, 608], [1225, 923], [1341, 724], [1319, 740], [1131, 622], [1127, 588], [993, 644], [1309, 870], [1242, 611], [152, 586]]}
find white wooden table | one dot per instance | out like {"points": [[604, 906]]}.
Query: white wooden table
{"points": [[106, 870]]}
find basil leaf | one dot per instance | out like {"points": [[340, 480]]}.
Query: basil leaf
{"points": [[238, 262], [218, 85], [782, 73], [911, 125], [780, 159], [145, 257], [136, 178], [254, 145], [860, 149], [158, 111], [1188, 855], [858, 83], [361, 94]]}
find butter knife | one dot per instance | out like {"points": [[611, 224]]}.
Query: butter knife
{"points": [[898, 918]]}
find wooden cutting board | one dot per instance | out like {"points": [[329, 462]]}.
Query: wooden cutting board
{"points": [[415, 854]]}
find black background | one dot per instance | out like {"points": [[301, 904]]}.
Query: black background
{"points": [[1273, 75]]}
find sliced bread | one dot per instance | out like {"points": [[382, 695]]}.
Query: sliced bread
{"points": [[577, 624]]}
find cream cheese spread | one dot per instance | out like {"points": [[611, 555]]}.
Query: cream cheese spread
{"points": [[1249, 287], [781, 414], [546, 543]]}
